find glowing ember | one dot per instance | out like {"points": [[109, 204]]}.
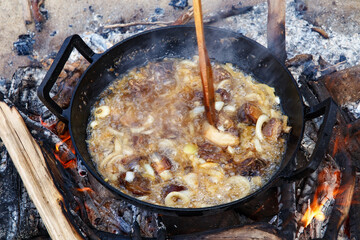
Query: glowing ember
{"points": [[63, 148], [85, 189], [328, 188]]}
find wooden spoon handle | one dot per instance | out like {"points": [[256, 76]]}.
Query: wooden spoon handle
{"points": [[205, 66]]}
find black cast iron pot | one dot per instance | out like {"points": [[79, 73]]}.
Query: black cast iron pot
{"points": [[180, 41]]}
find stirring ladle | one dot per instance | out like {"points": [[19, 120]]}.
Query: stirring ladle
{"points": [[205, 66]]}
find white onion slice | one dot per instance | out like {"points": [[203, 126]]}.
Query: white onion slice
{"points": [[261, 120]]}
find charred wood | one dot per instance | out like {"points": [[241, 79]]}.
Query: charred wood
{"points": [[225, 13], [320, 90], [321, 32], [344, 85], [287, 212], [343, 198], [354, 142], [354, 214], [30, 163], [306, 91], [298, 60], [326, 67], [19, 218]]}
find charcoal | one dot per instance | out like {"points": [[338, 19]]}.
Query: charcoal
{"points": [[159, 11], [179, 4], [24, 46]]}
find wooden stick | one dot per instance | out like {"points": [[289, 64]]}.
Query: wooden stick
{"points": [[276, 28], [31, 165], [205, 66]]}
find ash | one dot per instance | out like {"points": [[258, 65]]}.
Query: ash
{"points": [[300, 39]]}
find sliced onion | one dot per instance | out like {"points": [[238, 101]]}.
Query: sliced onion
{"points": [[219, 105], [102, 111], [257, 145], [129, 177], [177, 199], [230, 108], [258, 131]]}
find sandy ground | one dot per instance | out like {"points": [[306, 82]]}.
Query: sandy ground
{"points": [[69, 17], [78, 16]]}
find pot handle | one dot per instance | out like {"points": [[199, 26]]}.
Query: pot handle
{"points": [[52, 75], [329, 109]]}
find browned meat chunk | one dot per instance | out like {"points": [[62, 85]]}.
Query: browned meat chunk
{"points": [[162, 165], [251, 167], [130, 162], [138, 186], [249, 113], [225, 95], [140, 140], [172, 188], [272, 129], [220, 74], [214, 153]]}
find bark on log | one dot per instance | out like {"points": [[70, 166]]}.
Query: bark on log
{"points": [[276, 28], [344, 85], [30, 164]]}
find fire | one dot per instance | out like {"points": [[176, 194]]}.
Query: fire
{"points": [[63, 148], [85, 189], [328, 189]]}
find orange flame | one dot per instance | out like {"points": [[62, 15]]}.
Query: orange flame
{"points": [[61, 155], [85, 189], [327, 190]]}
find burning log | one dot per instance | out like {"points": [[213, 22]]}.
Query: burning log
{"points": [[288, 210], [276, 28], [344, 85], [32, 168], [343, 197], [354, 214]]}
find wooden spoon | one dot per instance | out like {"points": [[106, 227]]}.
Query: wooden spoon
{"points": [[205, 66]]}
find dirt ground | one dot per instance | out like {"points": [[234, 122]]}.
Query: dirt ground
{"points": [[78, 16]]}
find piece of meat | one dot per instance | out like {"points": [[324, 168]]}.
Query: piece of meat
{"points": [[225, 95], [210, 152], [249, 113], [130, 162], [226, 122], [138, 186], [251, 167], [272, 129], [220, 74], [171, 188], [140, 140], [162, 165]]}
